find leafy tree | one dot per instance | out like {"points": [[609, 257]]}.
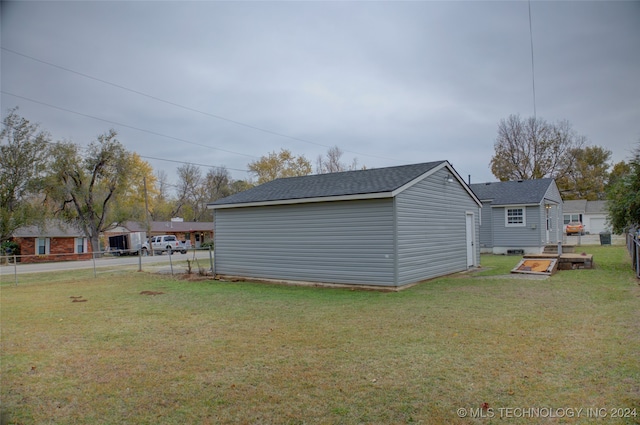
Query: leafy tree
{"points": [[588, 174], [623, 197], [83, 188], [238, 186], [277, 165], [331, 162], [130, 202], [533, 148], [23, 155], [618, 171]]}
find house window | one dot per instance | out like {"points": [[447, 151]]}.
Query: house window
{"points": [[568, 218], [42, 246], [515, 217], [81, 245]]}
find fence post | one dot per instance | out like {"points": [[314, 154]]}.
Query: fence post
{"points": [[170, 261], [213, 270], [140, 259], [15, 267], [636, 243]]}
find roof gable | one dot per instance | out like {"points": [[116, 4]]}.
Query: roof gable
{"points": [[344, 184], [518, 192]]}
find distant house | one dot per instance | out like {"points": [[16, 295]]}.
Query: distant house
{"points": [[384, 228], [519, 216], [592, 214], [195, 231], [52, 241]]}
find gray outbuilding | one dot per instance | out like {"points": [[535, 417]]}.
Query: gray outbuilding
{"points": [[385, 227]]}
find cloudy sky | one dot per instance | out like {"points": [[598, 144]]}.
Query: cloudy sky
{"points": [[390, 83]]}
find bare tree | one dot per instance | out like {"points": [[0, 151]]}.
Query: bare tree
{"points": [[331, 162], [533, 148], [218, 182]]}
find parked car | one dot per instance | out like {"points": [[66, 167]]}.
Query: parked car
{"points": [[164, 243], [575, 227]]}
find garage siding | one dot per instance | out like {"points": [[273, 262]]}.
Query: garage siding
{"points": [[431, 230], [333, 242]]}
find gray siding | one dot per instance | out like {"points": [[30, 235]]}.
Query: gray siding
{"points": [[334, 242], [555, 214], [431, 229], [515, 237], [486, 228]]}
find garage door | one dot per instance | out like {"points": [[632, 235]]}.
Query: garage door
{"points": [[597, 225]]}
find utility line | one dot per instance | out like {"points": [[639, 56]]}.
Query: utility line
{"points": [[219, 117], [190, 163], [533, 74], [151, 157], [125, 125]]}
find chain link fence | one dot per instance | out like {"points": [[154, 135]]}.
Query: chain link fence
{"points": [[14, 268]]}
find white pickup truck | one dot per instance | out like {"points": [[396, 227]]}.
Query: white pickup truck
{"points": [[164, 243]]}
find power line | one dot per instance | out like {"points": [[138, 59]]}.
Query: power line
{"points": [[191, 163], [188, 108], [533, 74], [154, 158], [125, 125]]}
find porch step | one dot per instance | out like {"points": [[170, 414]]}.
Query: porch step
{"points": [[553, 249]]}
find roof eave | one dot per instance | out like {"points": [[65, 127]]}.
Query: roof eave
{"points": [[378, 195]]}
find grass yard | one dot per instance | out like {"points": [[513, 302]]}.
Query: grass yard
{"points": [[242, 353]]}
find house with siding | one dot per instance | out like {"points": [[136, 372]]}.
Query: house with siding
{"points": [[592, 214], [52, 241], [519, 216], [382, 228]]}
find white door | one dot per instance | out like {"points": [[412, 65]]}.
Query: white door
{"points": [[471, 252]]}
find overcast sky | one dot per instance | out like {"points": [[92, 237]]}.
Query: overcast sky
{"points": [[390, 83]]}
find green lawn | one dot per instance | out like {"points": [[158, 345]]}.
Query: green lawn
{"points": [[227, 353]]}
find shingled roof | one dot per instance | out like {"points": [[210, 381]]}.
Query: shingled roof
{"points": [[349, 183], [519, 192]]}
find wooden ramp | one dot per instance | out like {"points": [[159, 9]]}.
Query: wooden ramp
{"points": [[544, 266]]}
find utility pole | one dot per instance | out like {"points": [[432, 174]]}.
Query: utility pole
{"points": [[146, 210]]}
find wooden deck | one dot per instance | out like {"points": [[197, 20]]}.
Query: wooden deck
{"points": [[567, 261]]}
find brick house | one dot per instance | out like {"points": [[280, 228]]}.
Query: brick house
{"points": [[53, 241], [197, 232]]}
